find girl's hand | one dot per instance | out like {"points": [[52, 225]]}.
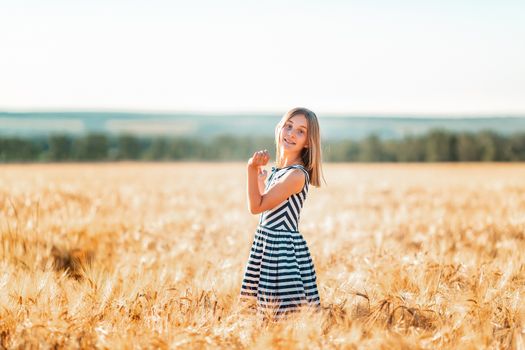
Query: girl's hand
{"points": [[261, 178], [259, 158], [262, 175]]}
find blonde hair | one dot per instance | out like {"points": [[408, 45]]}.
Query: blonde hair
{"points": [[311, 155]]}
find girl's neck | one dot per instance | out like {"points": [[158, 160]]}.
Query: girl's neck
{"points": [[287, 161]]}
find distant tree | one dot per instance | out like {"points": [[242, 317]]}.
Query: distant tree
{"points": [[371, 150], [516, 147], [411, 149], [468, 148], [390, 150], [14, 149], [230, 147], [128, 147], [157, 149], [440, 146], [183, 148], [253, 144], [91, 147], [340, 151], [491, 146], [350, 151], [60, 148]]}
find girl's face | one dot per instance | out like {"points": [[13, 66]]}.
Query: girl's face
{"points": [[293, 136]]}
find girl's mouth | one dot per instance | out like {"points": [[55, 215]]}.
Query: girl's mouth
{"points": [[290, 143]]}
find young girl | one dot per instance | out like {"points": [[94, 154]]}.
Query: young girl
{"points": [[280, 277]]}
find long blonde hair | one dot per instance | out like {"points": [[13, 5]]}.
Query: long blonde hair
{"points": [[311, 155]]}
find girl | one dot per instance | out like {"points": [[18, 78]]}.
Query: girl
{"points": [[280, 277]]}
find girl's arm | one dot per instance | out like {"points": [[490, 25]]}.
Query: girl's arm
{"points": [[291, 183]]}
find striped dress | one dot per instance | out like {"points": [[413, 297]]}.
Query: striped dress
{"points": [[280, 277]]}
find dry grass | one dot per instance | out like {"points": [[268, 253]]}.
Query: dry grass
{"points": [[152, 256]]}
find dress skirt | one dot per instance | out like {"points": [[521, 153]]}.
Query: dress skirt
{"points": [[280, 276]]}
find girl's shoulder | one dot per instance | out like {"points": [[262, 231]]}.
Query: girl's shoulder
{"points": [[298, 168], [295, 175]]}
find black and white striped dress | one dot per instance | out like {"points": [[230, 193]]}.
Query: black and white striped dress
{"points": [[280, 277]]}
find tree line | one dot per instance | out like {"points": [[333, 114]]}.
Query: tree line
{"points": [[434, 146]]}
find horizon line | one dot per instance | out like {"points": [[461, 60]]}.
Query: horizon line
{"points": [[415, 115]]}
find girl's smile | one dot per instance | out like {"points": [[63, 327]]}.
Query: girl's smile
{"points": [[290, 143]]}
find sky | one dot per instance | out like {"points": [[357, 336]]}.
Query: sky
{"points": [[337, 57]]}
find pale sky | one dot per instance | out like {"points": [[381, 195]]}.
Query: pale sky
{"points": [[369, 56]]}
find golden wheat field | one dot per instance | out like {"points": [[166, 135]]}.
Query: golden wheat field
{"points": [[152, 256]]}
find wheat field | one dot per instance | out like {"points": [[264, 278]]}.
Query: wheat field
{"points": [[138, 255]]}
